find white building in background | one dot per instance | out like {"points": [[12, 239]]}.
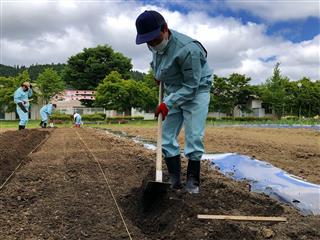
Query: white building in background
{"points": [[68, 102], [68, 95], [254, 106], [145, 115]]}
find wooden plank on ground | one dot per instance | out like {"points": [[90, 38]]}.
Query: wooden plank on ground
{"points": [[243, 218]]}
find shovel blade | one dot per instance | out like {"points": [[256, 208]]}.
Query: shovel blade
{"points": [[157, 187]]}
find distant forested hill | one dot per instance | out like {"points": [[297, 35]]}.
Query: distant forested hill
{"points": [[33, 70]]}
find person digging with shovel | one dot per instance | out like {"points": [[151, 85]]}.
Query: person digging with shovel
{"points": [[180, 63], [21, 98]]}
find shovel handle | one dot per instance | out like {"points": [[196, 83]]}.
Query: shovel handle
{"points": [[159, 141]]}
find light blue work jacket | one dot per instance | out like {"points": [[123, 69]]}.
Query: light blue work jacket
{"points": [[183, 68]]}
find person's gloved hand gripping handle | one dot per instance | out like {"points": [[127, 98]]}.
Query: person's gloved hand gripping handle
{"points": [[20, 104], [163, 109]]}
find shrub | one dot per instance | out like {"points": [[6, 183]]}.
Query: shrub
{"points": [[125, 118], [252, 119], [56, 121], [211, 118], [92, 117], [227, 118], [290, 117], [241, 119], [61, 117]]}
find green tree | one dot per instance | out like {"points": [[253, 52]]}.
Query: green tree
{"points": [[305, 97], [240, 91], [8, 71], [88, 68], [49, 83], [227, 93], [316, 96], [117, 93], [136, 75], [153, 91], [275, 92], [33, 70], [8, 85], [220, 100]]}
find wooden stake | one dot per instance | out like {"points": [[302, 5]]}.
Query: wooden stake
{"points": [[243, 218]]}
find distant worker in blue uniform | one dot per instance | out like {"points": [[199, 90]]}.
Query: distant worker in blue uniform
{"points": [[180, 62], [77, 119], [45, 113], [21, 98]]}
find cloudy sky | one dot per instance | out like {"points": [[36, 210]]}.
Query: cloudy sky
{"points": [[241, 36]]}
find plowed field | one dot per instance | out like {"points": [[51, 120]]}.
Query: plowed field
{"points": [[88, 184]]}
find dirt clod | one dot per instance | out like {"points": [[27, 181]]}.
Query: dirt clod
{"points": [[267, 233]]}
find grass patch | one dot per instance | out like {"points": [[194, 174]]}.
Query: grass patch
{"points": [[153, 123], [4, 124]]}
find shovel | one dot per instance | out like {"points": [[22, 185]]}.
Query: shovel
{"points": [[158, 186]]}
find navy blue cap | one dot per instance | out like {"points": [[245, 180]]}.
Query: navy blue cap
{"points": [[148, 26]]}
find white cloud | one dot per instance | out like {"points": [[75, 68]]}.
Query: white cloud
{"points": [[52, 32], [46, 48], [273, 10]]}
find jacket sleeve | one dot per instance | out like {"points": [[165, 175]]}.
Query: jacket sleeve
{"points": [[17, 96], [191, 70], [49, 109]]}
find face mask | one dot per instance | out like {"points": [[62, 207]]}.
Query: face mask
{"points": [[160, 47]]}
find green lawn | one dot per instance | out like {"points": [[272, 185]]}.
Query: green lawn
{"points": [[31, 124], [148, 124], [35, 124]]}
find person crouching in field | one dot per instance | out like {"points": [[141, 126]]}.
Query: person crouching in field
{"points": [[45, 112], [77, 120], [21, 98]]}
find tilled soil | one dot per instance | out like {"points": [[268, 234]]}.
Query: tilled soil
{"points": [[61, 193], [295, 150], [16, 145]]}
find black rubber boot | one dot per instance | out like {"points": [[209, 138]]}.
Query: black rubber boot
{"points": [[44, 125], [174, 169], [193, 176], [21, 127]]}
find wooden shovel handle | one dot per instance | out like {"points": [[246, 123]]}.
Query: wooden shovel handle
{"points": [[159, 141]]}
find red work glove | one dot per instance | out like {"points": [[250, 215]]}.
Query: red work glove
{"points": [[162, 108]]}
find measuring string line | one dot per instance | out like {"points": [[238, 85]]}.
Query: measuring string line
{"points": [[109, 187]]}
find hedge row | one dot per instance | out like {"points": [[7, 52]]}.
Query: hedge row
{"points": [[84, 117], [61, 117], [241, 119], [125, 118], [290, 117], [94, 117]]}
